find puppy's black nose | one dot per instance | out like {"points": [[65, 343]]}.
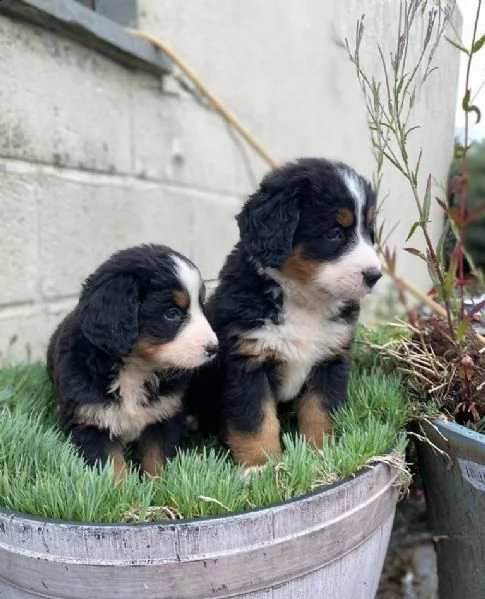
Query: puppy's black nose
{"points": [[371, 276], [211, 350]]}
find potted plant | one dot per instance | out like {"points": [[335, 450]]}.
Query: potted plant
{"points": [[314, 520], [441, 351]]}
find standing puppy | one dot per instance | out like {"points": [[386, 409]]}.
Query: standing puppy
{"points": [[286, 307], [120, 362]]}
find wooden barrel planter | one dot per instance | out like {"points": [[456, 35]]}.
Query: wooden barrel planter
{"points": [[455, 493], [328, 543]]}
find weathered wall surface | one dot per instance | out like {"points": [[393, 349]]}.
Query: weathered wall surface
{"points": [[95, 156]]}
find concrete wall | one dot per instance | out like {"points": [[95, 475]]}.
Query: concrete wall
{"points": [[95, 156]]}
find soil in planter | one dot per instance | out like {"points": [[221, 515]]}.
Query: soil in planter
{"points": [[431, 356]]}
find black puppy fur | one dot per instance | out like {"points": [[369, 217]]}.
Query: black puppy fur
{"points": [[286, 307], [121, 361]]}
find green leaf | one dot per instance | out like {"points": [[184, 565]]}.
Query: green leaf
{"points": [[450, 276], [410, 130], [418, 164], [412, 230], [379, 234], [427, 200], [478, 44], [394, 162], [467, 107], [416, 252], [441, 242], [461, 329], [456, 45], [474, 108], [459, 151], [412, 99]]}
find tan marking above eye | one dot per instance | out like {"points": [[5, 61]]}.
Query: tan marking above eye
{"points": [[369, 219], [181, 298], [345, 217]]}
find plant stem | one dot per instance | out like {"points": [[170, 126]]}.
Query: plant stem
{"points": [[437, 267]]}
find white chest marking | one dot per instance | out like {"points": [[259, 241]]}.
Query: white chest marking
{"points": [[127, 419], [306, 336]]}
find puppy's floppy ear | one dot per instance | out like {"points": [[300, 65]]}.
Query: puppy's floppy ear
{"points": [[267, 224], [108, 310]]}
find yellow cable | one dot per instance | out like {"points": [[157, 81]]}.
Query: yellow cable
{"points": [[216, 103], [228, 116]]}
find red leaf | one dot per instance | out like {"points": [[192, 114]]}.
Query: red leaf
{"points": [[456, 184], [452, 214], [476, 308], [475, 213], [442, 204], [390, 258]]}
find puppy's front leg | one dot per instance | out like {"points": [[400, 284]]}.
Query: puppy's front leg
{"points": [[96, 447], [325, 391], [252, 428], [160, 441]]}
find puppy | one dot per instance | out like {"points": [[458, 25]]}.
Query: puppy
{"points": [[286, 306], [122, 359]]}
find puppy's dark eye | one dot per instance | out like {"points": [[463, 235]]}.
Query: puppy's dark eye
{"points": [[173, 314], [334, 234]]}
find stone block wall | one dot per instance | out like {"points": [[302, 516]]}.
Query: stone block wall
{"points": [[96, 156]]}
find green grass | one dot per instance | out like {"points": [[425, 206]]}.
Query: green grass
{"points": [[41, 474]]}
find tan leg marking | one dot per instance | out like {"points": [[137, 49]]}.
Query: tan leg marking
{"points": [[313, 420], [253, 449], [151, 458], [120, 468]]}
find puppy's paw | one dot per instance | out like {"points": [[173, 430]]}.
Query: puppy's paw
{"points": [[192, 424], [249, 472]]}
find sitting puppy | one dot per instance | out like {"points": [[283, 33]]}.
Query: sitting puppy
{"points": [[286, 307], [121, 360]]}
